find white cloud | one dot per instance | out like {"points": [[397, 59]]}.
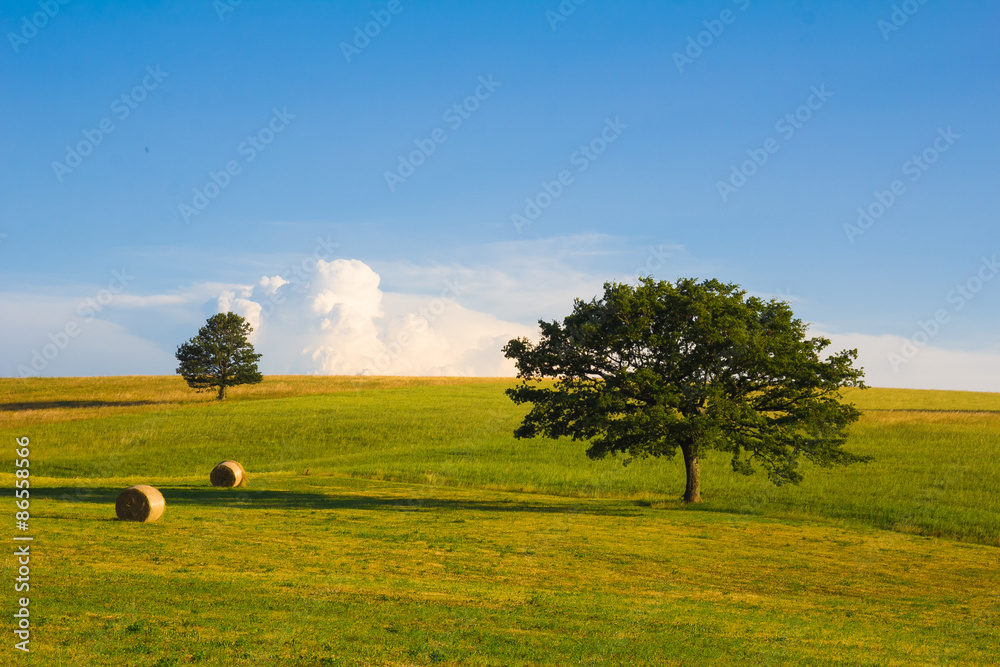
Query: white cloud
{"points": [[244, 307], [929, 368], [48, 336], [341, 322], [272, 284]]}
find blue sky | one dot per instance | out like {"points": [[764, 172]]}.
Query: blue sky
{"points": [[202, 82]]}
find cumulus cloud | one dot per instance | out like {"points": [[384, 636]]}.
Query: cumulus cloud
{"points": [[239, 303], [340, 321]]}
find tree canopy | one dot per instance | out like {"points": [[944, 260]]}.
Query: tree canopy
{"points": [[696, 366], [220, 355]]}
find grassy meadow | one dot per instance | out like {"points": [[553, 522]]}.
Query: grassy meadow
{"points": [[396, 521]]}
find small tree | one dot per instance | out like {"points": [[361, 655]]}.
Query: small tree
{"points": [[220, 355], [694, 366]]}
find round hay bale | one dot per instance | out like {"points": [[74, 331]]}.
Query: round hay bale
{"points": [[139, 503], [229, 473]]}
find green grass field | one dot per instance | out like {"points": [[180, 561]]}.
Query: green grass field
{"points": [[424, 533]]}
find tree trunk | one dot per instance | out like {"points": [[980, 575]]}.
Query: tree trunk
{"points": [[222, 391], [692, 491]]}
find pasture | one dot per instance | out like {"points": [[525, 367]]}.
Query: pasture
{"points": [[424, 533]]}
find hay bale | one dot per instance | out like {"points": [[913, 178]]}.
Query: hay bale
{"points": [[139, 503], [229, 473]]}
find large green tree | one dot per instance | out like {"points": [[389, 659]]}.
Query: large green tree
{"points": [[220, 355], [692, 366]]}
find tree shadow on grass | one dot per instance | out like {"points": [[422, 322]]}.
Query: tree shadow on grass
{"points": [[250, 499], [50, 405]]}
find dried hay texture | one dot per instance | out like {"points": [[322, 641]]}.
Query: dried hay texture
{"points": [[229, 473], [140, 503]]}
